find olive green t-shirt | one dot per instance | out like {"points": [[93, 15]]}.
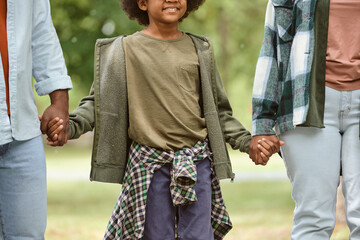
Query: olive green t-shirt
{"points": [[163, 92]]}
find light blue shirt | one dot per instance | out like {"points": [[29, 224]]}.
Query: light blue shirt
{"points": [[34, 51]]}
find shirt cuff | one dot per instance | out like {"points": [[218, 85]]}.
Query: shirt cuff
{"points": [[263, 127], [49, 85]]}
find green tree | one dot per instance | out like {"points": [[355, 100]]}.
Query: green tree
{"points": [[79, 23]]}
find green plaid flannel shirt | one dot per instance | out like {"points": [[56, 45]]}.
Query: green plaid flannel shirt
{"points": [[283, 71], [128, 218]]}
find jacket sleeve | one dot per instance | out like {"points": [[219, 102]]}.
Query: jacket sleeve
{"points": [[265, 88], [234, 132], [82, 119]]}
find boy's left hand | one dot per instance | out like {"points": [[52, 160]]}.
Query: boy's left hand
{"points": [[268, 148], [262, 147]]}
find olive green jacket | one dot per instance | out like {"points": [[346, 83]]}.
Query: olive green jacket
{"points": [[106, 110]]}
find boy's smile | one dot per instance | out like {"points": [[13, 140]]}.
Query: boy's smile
{"points": [[171, 9], [164, 11]]}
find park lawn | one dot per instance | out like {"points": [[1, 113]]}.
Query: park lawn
{"points": [[259, 210], [80, 210]]}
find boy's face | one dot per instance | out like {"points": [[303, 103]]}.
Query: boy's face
{"points": [[163, 11]]}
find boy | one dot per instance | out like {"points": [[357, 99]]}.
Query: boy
{"points": [[159, 91]]}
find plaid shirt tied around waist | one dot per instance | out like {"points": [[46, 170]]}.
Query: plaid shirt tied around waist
{"points": [[128, 218]]}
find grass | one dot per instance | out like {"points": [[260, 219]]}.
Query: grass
{"points": [[79, 209], [259, 210]]}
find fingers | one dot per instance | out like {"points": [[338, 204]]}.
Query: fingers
{"points": [[264, 150], [63, 135], [265, 158], [255, 152], [54, 128], [53, 117], [260, 158], [51, 142], [55, 132], [265, 143], [263, 155], [54, 122], [262, 147], [43, 124], [267, 149], [269, 145]]}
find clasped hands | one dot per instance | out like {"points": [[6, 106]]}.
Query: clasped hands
{"points": [[261, 148], [53, 129], [55, 120]]}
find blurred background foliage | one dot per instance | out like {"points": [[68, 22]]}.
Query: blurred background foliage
{"points": [[235, 27]]}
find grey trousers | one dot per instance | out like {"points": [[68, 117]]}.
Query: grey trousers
{"points": [[314, 158]]}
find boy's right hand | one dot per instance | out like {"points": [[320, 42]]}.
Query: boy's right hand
{"points": [[54, 127]]}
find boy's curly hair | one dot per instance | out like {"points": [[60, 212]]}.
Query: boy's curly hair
{"points": [[134, 12]]}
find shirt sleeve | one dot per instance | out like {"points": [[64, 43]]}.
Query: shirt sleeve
{"points": [[49, 69], [265, 89]]}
